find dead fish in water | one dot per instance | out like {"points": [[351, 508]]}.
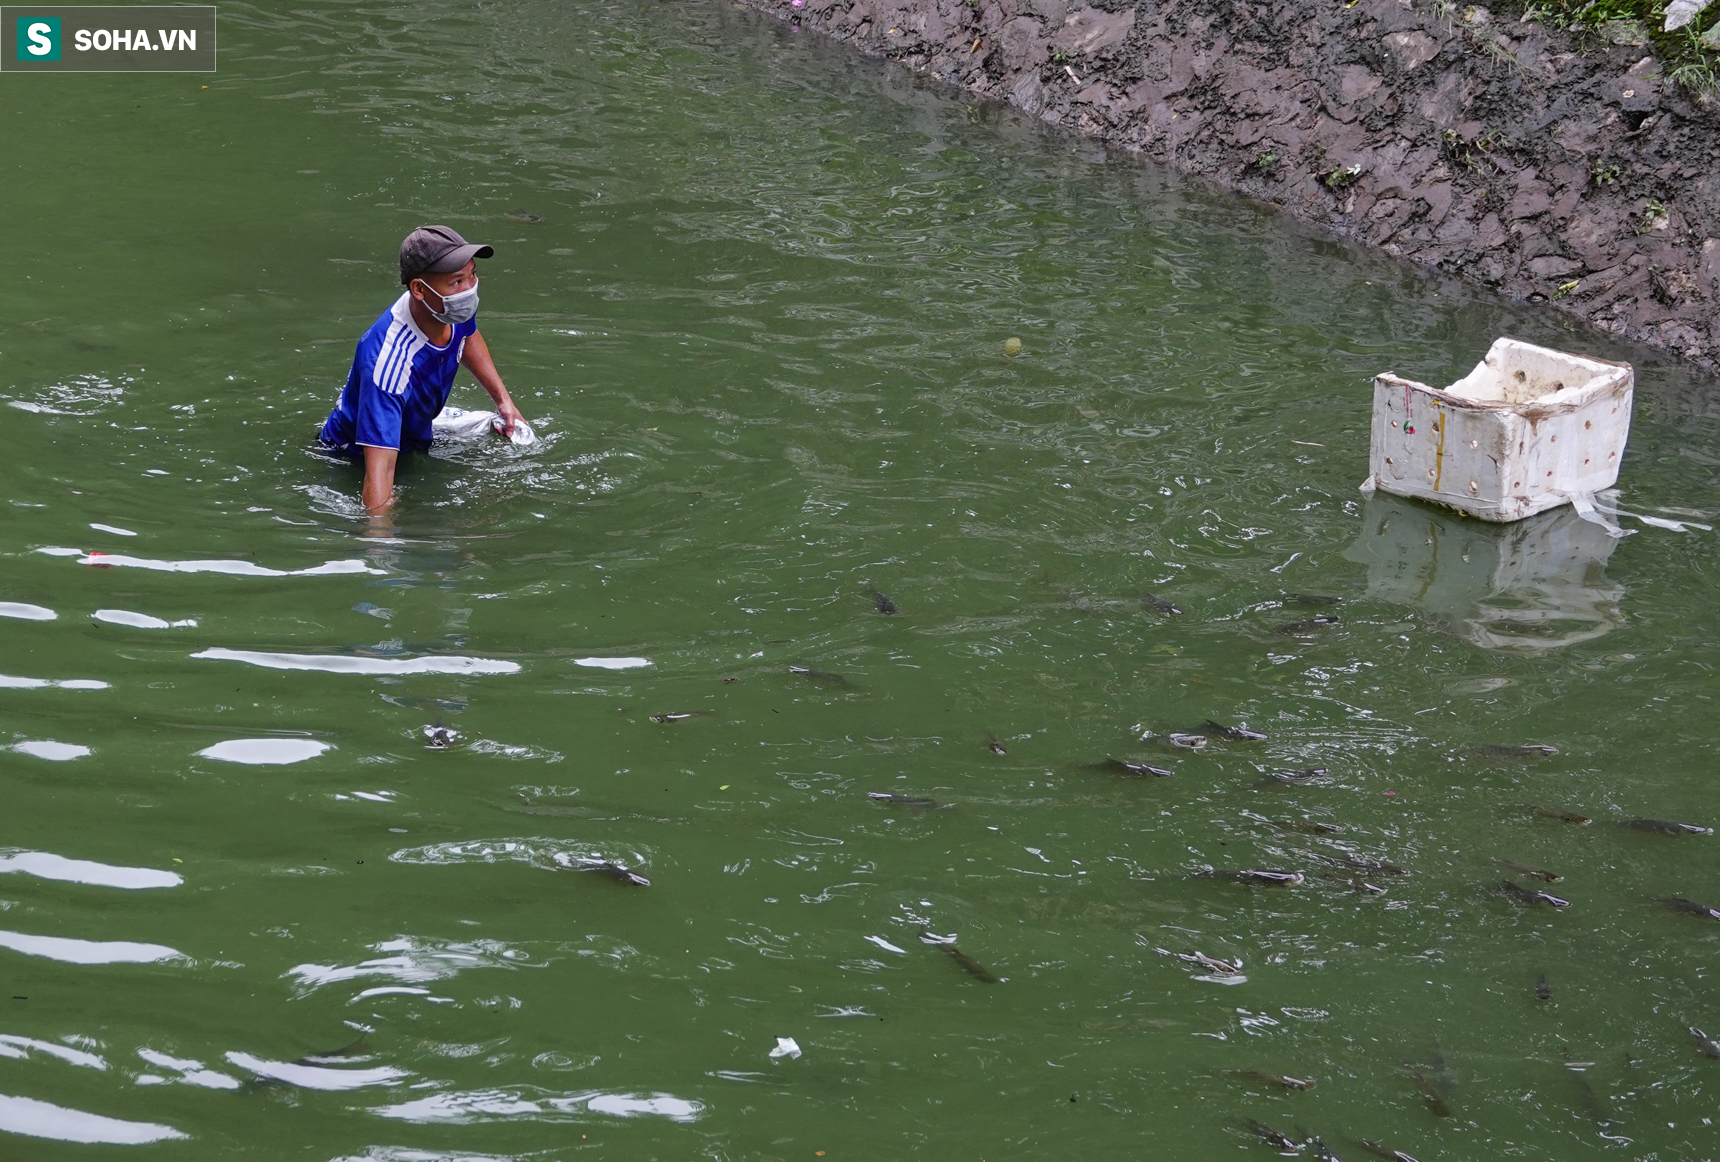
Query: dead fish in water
{"points": [[1316, 1147], [620, 873], [969, 965], [1680, 904], [1272, 1137], [1306, 826], [1231, 733], [882, 603], [1561, 816], [1383, 1151], [680, 716], [823, 676], [1666, 827], [1313, 600], [1211, 963], [894, 800], [1305, 775], [358, 1050], [558, 811], [1268, 878], [1272, 1078], [1543, 990], [1534, 873], [1369, 864], [1154, 601], [1523, 895], [1134, 770], [440, 737], [1356, 883], [522, 216], [1528, 753], [1436, 1103], [1307, 625], [994, 746], [1186, 741], [1708, 1045]]}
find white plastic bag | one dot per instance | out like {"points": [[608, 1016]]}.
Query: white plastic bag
{"points": [[459, 424]]}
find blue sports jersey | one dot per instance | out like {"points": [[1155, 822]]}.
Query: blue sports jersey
{"points": [[398, 383]]}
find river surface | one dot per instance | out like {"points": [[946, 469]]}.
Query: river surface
{"points": [[755, 292]]}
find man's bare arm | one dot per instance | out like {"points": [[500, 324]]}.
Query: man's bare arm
{"points": [[379, 479], [476, 358]]}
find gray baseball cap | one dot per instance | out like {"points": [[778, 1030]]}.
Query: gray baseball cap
{"points": [[437, 250]]}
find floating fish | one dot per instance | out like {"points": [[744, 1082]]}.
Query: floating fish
{"points": [[1211, 963], [1306, 826], [1269, 878], [1527, 753], [1667, 827], [1534, 873], [1369, 864], [1231, 733], [1680, 904], [1356, 883], [1272, 1137], [969, 965], [895, 800], [1706, 1044], [823, 676], [882, 603], [1436, 1103], [439, 737], [1317, 1147], [1384, 1151], [1308, 625], [1561, 816], [1543, 990], [1154, 601], [558, 810], [994, 746], [1523, 895], [1313, 600], [1305, 775], [522, 216], [679, 716], [1134, 770], [1278, 1079], [1186, 741], [358, 1050], [620, 873]]}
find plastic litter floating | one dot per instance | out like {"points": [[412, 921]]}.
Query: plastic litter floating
{"points": [[1528, 430], [454, 423], [785, 1047]]}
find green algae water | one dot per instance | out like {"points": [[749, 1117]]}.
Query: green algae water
{"points": [[755, 293]]}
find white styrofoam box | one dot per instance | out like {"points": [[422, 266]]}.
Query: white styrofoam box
{"points": [[1516, 436], [1527, 587]]}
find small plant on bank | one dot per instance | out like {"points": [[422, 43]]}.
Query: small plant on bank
{"points": [[1653, 217], [1567, 288], [1474, 156], [1608, 175], [1342, 176], [1265, 159], [1060, 56]]}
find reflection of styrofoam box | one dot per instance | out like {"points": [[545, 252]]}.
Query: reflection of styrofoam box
{"points": [[1519, 434]]}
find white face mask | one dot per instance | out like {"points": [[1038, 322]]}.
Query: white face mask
{"points": [[456, 308]]}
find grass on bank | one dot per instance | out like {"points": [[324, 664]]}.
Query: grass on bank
{"points": [[1691, 54]]}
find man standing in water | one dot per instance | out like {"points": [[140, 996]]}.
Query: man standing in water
{"points": [[406, 362]]}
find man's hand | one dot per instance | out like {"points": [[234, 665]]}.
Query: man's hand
{"points": [[509, 415]]}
